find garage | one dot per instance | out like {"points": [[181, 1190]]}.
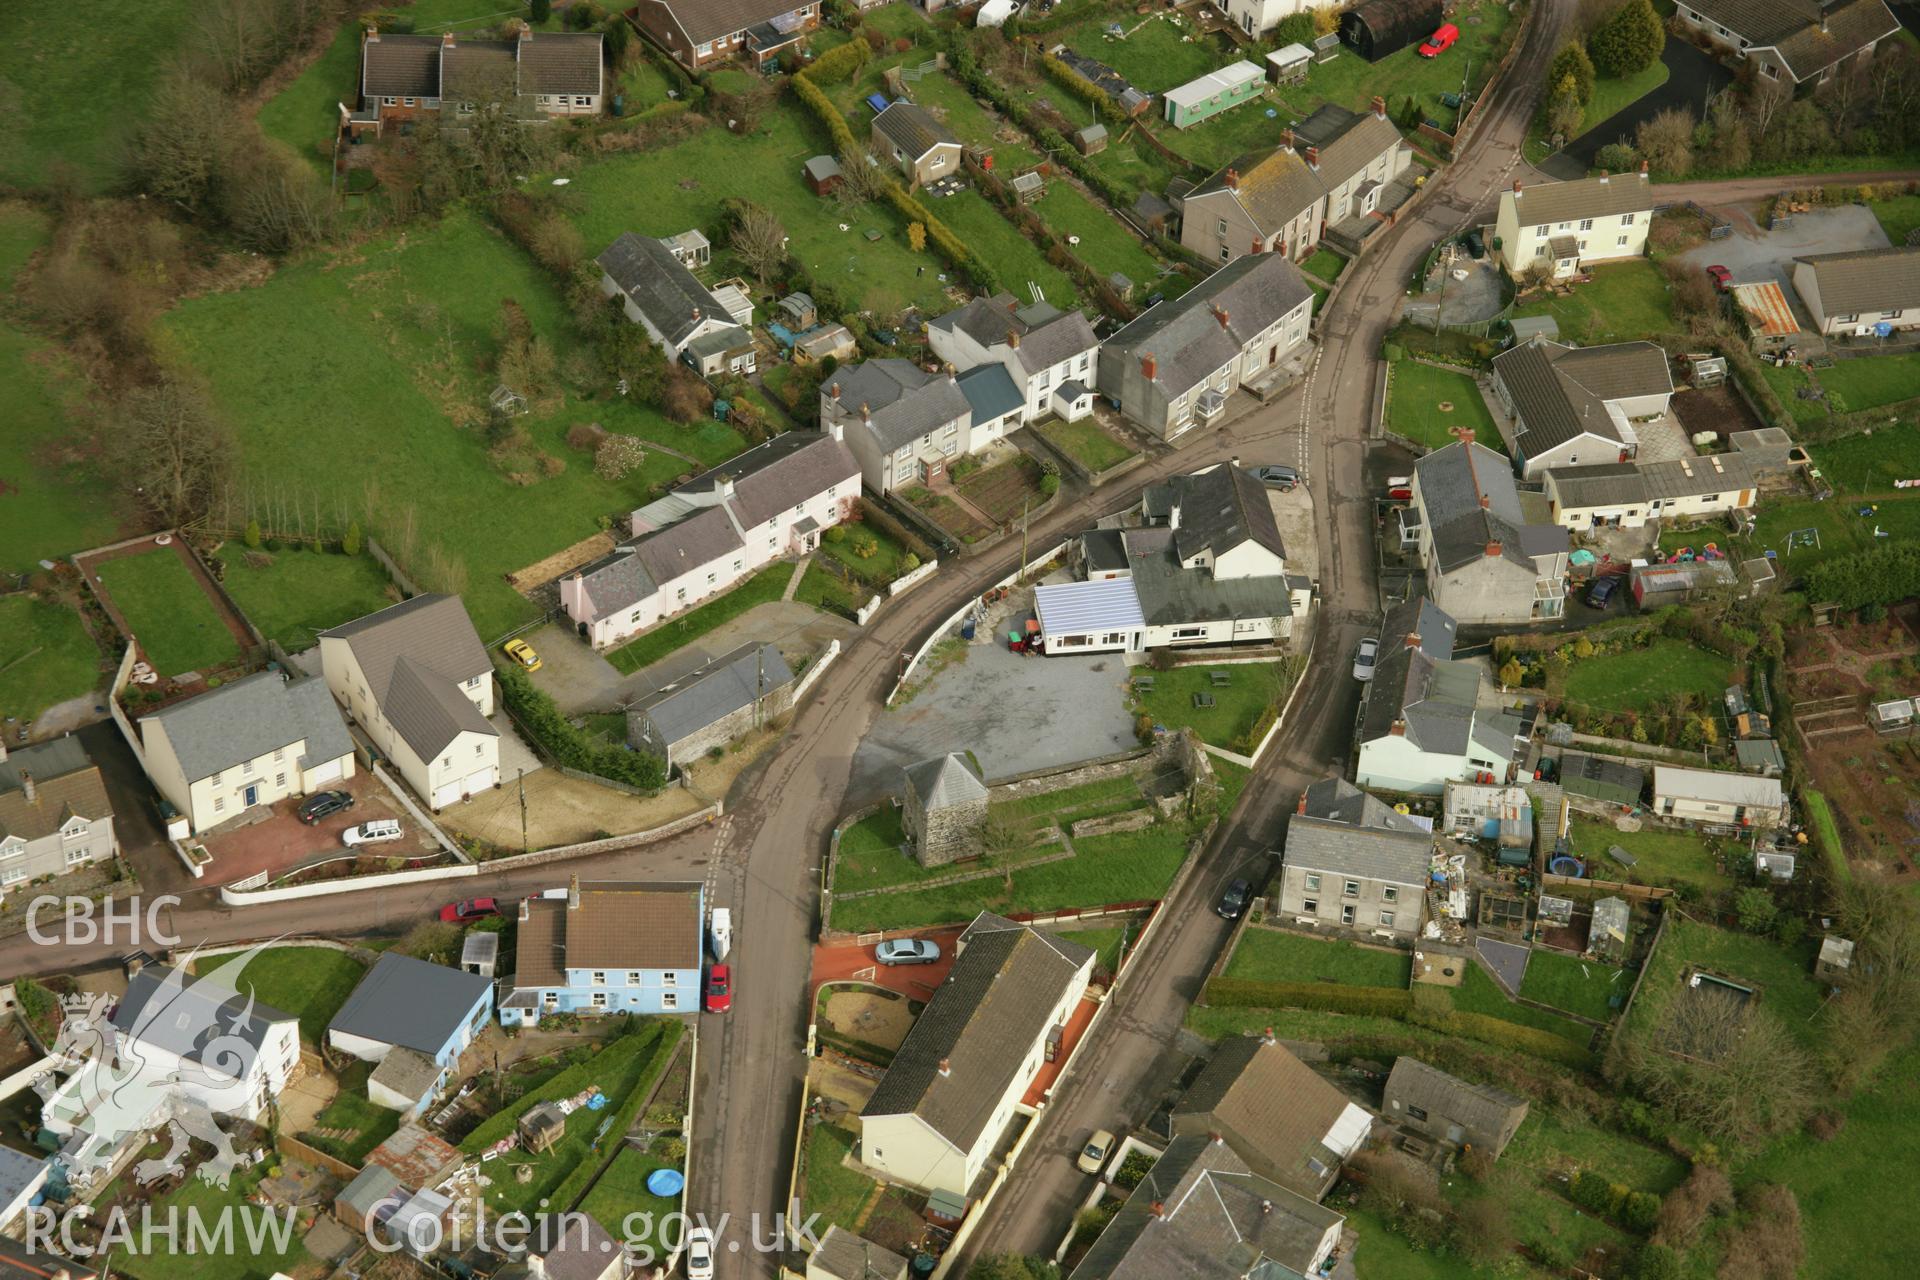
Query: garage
{"points": [[449, 794], [481, 779], [321, 775]]}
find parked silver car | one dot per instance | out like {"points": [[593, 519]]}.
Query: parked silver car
{"points": [[907, 951]]}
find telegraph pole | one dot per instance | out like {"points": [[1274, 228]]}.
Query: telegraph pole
{"points": [[523, 810]]}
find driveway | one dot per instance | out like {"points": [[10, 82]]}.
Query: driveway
{"points": [[1755, 255], [1692, 80], [853, 962]]}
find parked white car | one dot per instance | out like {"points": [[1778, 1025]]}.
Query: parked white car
{"points": [[378, 831], [1363, 660], [700, 1253]]}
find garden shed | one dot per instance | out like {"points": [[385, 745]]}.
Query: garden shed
{"points": [[1289, 64], [1380, 27], [1091, 140], [541, 1127]]}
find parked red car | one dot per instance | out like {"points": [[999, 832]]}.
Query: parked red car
{"points": [[719, 989], [469, 911], [1440, 41], [1721, 277]]}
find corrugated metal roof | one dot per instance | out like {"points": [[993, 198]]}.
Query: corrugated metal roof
{"points": [[1767, 309], [1072, 608]]}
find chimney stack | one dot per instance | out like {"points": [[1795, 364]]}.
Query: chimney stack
{"points": [[1268, 1037], [1399, 729], [1313, 157], [1516, 189], [1493, 549], [526, 908], [446, 39], [1147, 366], [373, 35], [1380, 108], [1234, 462], [1604, 175], [573, 892], [833, 391], [696, 315], [1223, 316], [27, 788], [952, 374], [526, 32], [1302, 806], [1286, 138], [1013, 339], [1159, 1209], [723, 485], [1231, 178], [1413, 640], [946, 1067], [1643, 168]]}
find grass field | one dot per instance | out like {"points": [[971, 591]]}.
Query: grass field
{"points": [[1867, 382], [46, 656], [1086, 442], [1104, 943], [1014, 258], [1641, 679], [1105, 244], [1269, 955], [1415, 395], [1579, 986], [621, 1203], [1612, 95], [352, 1111], [1352, 82], [669, 636], [1624, 300], [873, 854], [1786, 975], [1069, 805], [833, 1191], [1250, 689], [254, 1254], [1870, 461], [310, 983], [301, 593], [963, 115], [1663, 857], [1899, 217], [1155, 56], [177, 625], [50, 503], [1135, 166], [1218, 140], [410, 324], [1478, 993], [1841, 528]]}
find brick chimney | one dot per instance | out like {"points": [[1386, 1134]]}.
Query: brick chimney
{"points": [[28, 790], [1313, 157], [1223, 316], [1643, 169], [1517, 193], [1159, 1209], [1302, 806], [833, 390], [446, 39], [723, 485], [696, 315], [573, 892], [1147, 366], [1494, 549], [1231, 178], [946, 1067], [1013, 339], [953, 375], [373, 35], [1604, 175], [526, 907], [1399, 729], [526, 32], [1286, 138], [1268, 1037], [1380, 107]]}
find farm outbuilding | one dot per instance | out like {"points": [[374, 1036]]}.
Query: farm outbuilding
{"points": [[1380, 27]]}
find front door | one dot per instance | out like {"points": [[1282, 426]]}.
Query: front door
{"points": [[253, 796], [1273, 354]]}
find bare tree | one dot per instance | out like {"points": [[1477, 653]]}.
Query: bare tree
{"points": [[760, 241], [179, 147], [1744, 1077], [861, 179], [177, 449], [273, 202], [1766, 99], [1666, 142]]}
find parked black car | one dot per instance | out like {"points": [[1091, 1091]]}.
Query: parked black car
{"points": [[324, 804], [1602, 591], [1234, 900]]}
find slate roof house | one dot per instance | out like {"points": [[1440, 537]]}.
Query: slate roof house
{"points": [[944, 809], [904, 424], [1572, 403], [557, 73], [1173, 367], [1290, 1125], [699, 33], [723, 525], [1362, 867], [952, 1089], [1335, 167], [1570, 226], [253, 742], [1201, 1214], [843, 1255], [55, 816], [689, 321], [1421, 726], [1630, 495], [1048, 354], [413, 1019], [1794, 42], [920, 146], [417, 679], [607, 948], [1487, 560], [711, 705], [1451, 1110], [1856, 293], [1206, 567]]}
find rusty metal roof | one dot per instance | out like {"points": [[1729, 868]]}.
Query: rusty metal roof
{"points": [[1767, 309]]}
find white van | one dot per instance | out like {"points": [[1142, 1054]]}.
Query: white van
{"points": [[379, 831]]}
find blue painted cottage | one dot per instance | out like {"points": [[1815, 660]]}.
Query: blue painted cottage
{"points": [[607, 948]]}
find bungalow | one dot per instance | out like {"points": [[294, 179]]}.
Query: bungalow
{"points": [[714, 531], [1794, 42], [607, 948], [55, 816], [1486, 560], [1566, 227], [1570, 403], [689, 321], [413, 1020], [251, 743], [1281, 1117], [1047, 352], [1201, 1214], [1173, 367], [919, 145], [1422, 725], [939, 1111], [699, 33], [1700, 795], [1451, 1110], [1363, 871], [1629, 495], [1207, 568], [1221, 89], [1856, 293], [905, 425], [711, 705], [559, 73], [1335, 167], [416, 677]]}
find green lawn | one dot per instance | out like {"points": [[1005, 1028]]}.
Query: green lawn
{"points": [[352, 1111], [1250, 689], [1135, 166], [1786, 975], [51, 502], [832, 1190], [1624, 300], [1233, 780], [887, 562], [410, 324], [621, 1203], [961, 113], [1663, 857], [873, 854], [1641, 679], [46, 656], [54, 65], [670, 636], [669, 189], [1352, 82], [177, 625], [1324, 263], [1870, 461], [1479, 993], [1086, 442], [1899, 216], [1416, 393], [1014, 258], [1106, 244], [1218, 140], [1579, 986], [1156, 55], [310, 983], [1074, 804], [1383, 1254], [1867, 382], [1271, 955], [1787, 382], [823, 590], [253, 1255], [1104, 943], [1611, 95], [1132, 866], [1841, 528], [301, 593]]}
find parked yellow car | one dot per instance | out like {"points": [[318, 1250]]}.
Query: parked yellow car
{"points": [[522, 652]]}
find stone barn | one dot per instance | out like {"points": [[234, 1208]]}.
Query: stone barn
{"points": [[944, 810]]}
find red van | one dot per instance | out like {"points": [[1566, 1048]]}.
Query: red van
{"points": [[1440, 41]]}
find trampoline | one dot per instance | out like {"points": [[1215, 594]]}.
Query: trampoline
{"points": [[1567, 865]]}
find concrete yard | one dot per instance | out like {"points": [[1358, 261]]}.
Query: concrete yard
{"points": [[1755, 255]]}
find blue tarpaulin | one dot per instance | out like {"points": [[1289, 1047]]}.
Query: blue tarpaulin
{"points": [[665, 1182]]}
